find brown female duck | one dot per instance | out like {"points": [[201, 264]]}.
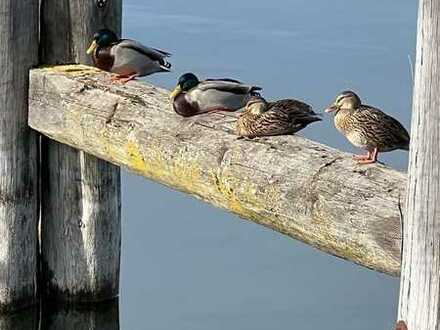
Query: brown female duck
{"points": [[262, 118], [367, 127], [126, 58]]}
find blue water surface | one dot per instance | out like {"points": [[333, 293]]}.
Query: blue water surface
{"points": [[187, 265]]}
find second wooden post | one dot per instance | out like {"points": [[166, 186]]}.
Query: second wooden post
{"points": [[419, 304], [81, 228]]}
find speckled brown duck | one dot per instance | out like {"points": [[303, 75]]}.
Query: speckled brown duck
{"points": [[367, 127], [262, 118], [127, 59], [192, 96]]}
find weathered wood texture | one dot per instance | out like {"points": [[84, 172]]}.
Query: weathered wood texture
{"points": [[28, 319], [18, 156], [420, 282], [99, 316], [297, 187], [81, 227]]}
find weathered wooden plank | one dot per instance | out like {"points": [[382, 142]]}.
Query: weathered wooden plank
{"points": [[18, 156], [81, 229], [420, 282], [295, 186]]}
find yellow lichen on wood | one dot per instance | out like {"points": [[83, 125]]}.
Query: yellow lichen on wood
{"points": [[182, 175], [73, 69]]}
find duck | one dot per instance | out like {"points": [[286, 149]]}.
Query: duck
{"points": [[192, 96], [282, 117], [367, 127], [126, 58]]}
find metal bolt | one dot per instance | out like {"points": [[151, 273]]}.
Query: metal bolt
{"points": [[101, 3]]}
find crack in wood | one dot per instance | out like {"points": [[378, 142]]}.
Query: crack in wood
{"points": [[112, 113]]}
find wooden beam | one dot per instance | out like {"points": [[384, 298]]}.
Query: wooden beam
{"points": [[420, 282], [300, 188], [18, 157], [81, 219]]}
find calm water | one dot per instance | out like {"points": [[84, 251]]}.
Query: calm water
{"points": [[187, 265]]}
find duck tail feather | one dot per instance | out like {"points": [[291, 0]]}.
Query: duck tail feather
{"points": [[166, 66], [255, 91]]}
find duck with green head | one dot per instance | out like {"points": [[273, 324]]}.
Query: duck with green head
{"points": [[367, 127], [126, 58], [192, 96], [283, 117]]}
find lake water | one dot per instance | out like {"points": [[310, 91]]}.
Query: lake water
{"points": [[187, 265]]}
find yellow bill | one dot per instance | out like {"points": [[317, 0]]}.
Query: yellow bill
{"points": [[175, 92], [92, 47]]}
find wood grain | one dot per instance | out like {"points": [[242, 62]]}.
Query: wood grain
{"points": [[298, 187], [420, 282], [81, 228], [18, 156]]}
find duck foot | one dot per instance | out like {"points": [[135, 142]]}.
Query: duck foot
{"points": [[366, 161], [369, 158], [218, 109], [122, 79], [361, 157]]}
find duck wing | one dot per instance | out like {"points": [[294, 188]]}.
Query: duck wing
{"points": [[286, 117], [227, 85], [225, 79], [292, 107], [152, 53], [382, 129]]}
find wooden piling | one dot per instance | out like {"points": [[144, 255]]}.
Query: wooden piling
{"points": [[28, 319], [81, 229], [98, 316], [420, 278], [18, 156]]}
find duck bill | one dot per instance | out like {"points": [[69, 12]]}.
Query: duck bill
{"points": [[331, 108], [92, 47], [175, 92]]}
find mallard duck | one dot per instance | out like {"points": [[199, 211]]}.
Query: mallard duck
{"points": [[192, 97], [262, 118], [367, 127], [126, 58]]}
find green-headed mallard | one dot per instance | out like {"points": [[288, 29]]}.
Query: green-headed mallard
{"points": [[192, 97], [126, 58], [367, 127], [262, 118]]}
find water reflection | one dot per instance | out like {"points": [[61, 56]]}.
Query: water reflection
{"points": [[25, 320], [102, 316]]}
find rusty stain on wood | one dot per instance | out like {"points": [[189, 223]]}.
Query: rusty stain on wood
{"points": [[401, 326]]}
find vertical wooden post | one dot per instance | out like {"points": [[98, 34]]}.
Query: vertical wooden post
{"points": [[420, 276], [28, 319], [18, 156], [100, 316], [81, 229]]}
